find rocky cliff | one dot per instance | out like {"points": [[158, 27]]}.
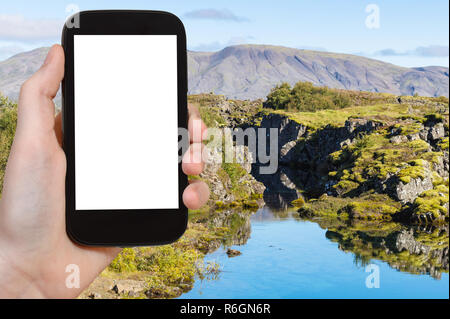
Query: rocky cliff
{"points": [[392, 164]]}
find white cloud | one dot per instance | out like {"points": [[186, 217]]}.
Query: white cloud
{"points": [[17, 27], [428, 51], [433, 51], [214, 14], [216, 45]]}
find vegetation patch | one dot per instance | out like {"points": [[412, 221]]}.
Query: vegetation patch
{"points": [[305, 97], [8, 122], [433, 201], [370, 209], [299, 202], [414, 170]]}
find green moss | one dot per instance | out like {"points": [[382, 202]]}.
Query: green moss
{"points": [[432, 201], [235, 204], [436, 239], [437, 179], [432, 157], [443, 144], [369, 210], [299, 202], [250, 204], [220, 204], [370, 207], [337, 157], [324, 207], [168, 270], [256, 196], [418, 145], [175, 265], [345, 186], [410, 128], [125, 261], [414, 170], [332, 174]]}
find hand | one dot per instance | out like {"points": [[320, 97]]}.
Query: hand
{"points": [[34, 247]]}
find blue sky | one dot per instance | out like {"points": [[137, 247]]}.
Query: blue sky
{"points": [[409, 33]]}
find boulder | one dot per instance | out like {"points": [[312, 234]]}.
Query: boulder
{"points": [[233, 252], [407, 193], [133, 287], [437, 131]]}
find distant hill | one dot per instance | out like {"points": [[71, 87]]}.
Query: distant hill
{"points": [[15, 70], [250, 71]]}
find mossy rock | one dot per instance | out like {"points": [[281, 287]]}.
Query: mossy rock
{"points": [[250, 204], [345, 186], [371, 209], [434, 201], [299, 202], [415, 169]]}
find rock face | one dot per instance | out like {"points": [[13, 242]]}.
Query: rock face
{"points": [[306, 159], [407, 193], [220, 187], [292, 150], [288, 130], [442, 165]]}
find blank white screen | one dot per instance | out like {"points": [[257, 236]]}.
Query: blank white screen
{"points": [[126, 137]]}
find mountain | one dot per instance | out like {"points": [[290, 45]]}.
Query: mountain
{"points": [[250, 71], [15, 70]]}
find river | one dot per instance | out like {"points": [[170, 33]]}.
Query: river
{"points": [[285, 256]]}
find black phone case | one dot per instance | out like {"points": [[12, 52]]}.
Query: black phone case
{"points": [[122, 227]]}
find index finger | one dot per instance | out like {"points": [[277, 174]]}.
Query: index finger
{"points": [[197, 129]]}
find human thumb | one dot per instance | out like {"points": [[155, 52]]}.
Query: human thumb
{"points": [[36, 110]]}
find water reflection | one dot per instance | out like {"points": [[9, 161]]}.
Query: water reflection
{"points": [[416, 250], [236, 222], [284, 186], [287, 256]]}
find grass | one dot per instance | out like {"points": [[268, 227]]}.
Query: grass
{"points": [[336, 118], [305, 96], [168, 270], [8, 121], [385, 111], [326, 207]]}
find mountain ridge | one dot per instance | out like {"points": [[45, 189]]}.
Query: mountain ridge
{"points": [[249, 71]]}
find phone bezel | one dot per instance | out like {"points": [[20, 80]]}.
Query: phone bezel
{"points": [[121, 227]]}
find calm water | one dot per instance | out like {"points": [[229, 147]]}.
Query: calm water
{"points": [[290, 258]]}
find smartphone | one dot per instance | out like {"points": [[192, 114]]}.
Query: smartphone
{"points": [[124, 98]]}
